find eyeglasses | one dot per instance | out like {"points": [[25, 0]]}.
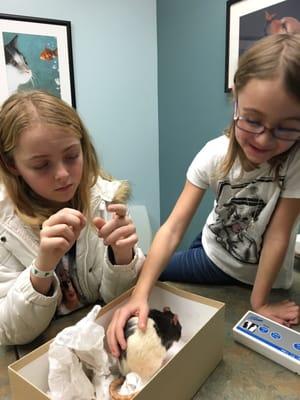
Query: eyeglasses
{"points": [[251, 126]]}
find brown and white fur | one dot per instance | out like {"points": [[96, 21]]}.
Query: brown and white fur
{"points": [[146, 351]]}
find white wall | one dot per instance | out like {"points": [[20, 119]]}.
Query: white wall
{"points": [[115, 67]]}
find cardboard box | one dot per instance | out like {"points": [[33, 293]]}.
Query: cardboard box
{"points": [[202, 321]]}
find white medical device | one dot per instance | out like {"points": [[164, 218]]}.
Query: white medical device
{"points": [[272, 340]]}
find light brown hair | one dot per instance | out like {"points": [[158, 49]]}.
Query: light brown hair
{"points": [[22, 111]]}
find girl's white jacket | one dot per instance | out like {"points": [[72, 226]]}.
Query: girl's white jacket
{"points": [[25, 313]]}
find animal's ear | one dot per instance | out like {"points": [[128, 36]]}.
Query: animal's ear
{"points": [[269, 17], [14, 40]]}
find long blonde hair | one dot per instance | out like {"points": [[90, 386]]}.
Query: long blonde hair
{"points": [[20, 112], [275, 56]]}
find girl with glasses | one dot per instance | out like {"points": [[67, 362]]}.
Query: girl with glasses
{"points": [[254, 172], [59, 249]]}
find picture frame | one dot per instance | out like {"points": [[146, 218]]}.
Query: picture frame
{"points": [[36, 54], [250, 20]]}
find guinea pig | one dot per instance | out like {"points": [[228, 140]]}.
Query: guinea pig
{"points": [[146, 351]]}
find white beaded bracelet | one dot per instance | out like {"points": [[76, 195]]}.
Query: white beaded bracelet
{"points": [[41, 274]]}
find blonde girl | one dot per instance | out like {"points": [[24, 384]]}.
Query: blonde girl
{"points": [[254, 172], [58, 249]]}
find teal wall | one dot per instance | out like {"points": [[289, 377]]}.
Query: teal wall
{"points": [[115, 65], [193, 107], [118, 47]]}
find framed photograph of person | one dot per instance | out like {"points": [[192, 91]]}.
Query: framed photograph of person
{"points": [[36, 54], [249, 20]]}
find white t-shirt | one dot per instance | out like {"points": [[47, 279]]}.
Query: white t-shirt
{"points": [[232, 235]]}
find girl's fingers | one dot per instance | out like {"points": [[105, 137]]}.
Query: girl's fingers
{"points": [[286, 312], [143, 317], [67, 216], [130, 241], [118, 234], [111, 338], [99, 222], [115, 333], [294, 321], [119, 209], [123, 316], [55, 243], [292, 313], [58, 231]]}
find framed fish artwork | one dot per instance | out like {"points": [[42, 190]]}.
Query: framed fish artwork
{"points": [[36, 54], [250, 20]]}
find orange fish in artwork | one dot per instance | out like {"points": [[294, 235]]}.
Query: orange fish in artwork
{"points": [[48, 54]]}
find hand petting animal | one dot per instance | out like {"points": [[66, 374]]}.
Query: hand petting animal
{"points": [[146, 351]]}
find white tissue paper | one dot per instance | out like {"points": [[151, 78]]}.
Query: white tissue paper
{"points": [[132, 384], [76, 353], [81, 369]]}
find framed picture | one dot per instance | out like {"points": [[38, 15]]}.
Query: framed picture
{"points": [[36, 54], [250, 20]]}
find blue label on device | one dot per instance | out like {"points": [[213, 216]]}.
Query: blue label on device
{"points": [[276, 335], [264, 329]]}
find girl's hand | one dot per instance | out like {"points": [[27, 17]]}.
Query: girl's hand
{"points": [[57, 236], [286, 312], [115, 331], [119, 233]]}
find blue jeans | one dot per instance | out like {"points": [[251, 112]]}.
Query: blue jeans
{"points": [[194, 266]]}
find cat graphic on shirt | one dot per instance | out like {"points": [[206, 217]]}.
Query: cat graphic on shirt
{"points": [[231, 228]]}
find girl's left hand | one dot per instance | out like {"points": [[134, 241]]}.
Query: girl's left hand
{"points": [[286, 312], [119, 233]]}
